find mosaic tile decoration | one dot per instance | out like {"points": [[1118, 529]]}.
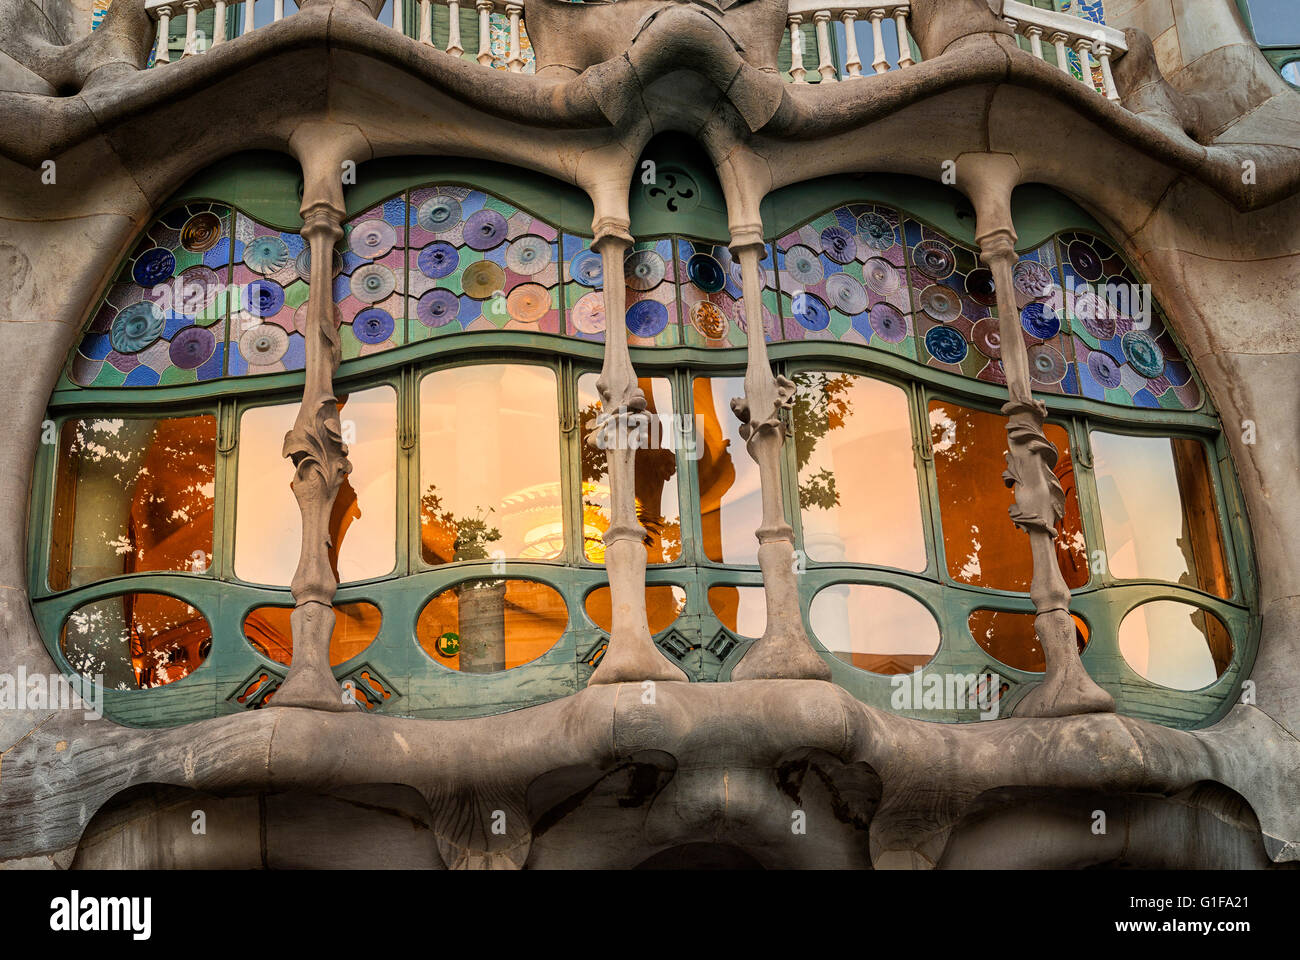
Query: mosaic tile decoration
{"points": [[650, 274], [370, 280], [475, 262], [499, 40], [713, 309], [1115, 358], [843, 277], [270, 275], [137, 338]]}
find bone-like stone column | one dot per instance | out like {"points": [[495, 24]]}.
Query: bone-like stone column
{"points": [[822, 21], [1067, 689], [631, 655], [219, 22], [783, 652], [315, 444], [880, 63]]}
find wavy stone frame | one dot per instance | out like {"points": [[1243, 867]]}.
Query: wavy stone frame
{"points": [[1151, 168]]}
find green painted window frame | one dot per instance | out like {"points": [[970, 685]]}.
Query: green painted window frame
{"points": [[708, 649], [1277, 55]]}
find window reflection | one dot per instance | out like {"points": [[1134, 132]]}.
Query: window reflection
{"points": [[857, 476], [363, 523], [356, 625], [981, 544], [136, 641], [1158, 511], [490, 464], [1175, 644], [1012, 639], [132, 495], [664, 604], [742, 610], [655, 475], [486, 626], [874, 628], [730, 498]]}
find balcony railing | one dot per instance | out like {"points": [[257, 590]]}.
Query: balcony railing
{"points": [[501, 38], [1066, 32], [820, 15]]}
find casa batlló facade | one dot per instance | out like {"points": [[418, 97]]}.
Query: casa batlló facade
{"points": [[544, 434]]}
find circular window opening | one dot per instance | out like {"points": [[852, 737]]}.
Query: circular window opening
{"points": [[1011, 638], [486, 626], [874, 628], [356, 625], [742, 610], [663, 603], [135, 641], [1174, 644]]}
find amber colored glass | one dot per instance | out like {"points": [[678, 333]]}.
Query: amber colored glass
{"points": [[731, 505], [664, 604], [655, 474], [742, 610], [132, 495], [858, 490], [874, 628], [485, 626], [355, 627], [490, 464], [1174, 644], [1158, 511], [363, 523], [1010, 637], [136, 640], [981, 545]]}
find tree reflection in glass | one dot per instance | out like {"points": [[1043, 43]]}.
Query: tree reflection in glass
{"points": [[136, 641], [655, 474], [981, 544], [490, 464], [132, 495], [858, 490]]}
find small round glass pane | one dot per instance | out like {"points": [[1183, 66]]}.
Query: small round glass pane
{"points": [[874, 628], [136, 641], [355, 627], [1175, 644], [486, 626], [663, 602]]}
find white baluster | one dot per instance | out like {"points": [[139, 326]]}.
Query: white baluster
{"points": [[248, 17], [824, 65], [1035, 35], [191, 28], [484, 8], [398, 13], [426, 22], [1081, 47], [796, 49], [453, 29], [880, 64], [278, 11], [164, 28], [852, 62], [1013, 23], [219, 22], [1103, 57], [904, 44], [1058, 41], [516, 59]]}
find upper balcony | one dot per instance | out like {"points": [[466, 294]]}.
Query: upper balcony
{"points": [[823, 43]]}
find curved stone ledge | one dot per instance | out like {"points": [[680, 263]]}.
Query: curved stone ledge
{"points": [[711, 760]]}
